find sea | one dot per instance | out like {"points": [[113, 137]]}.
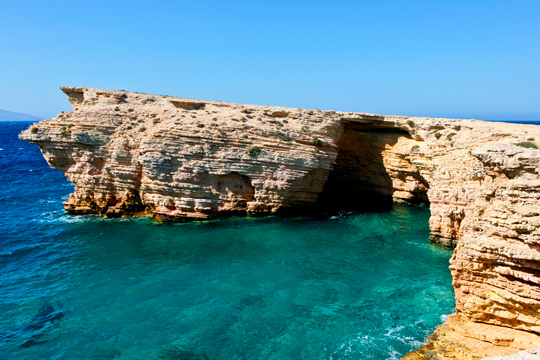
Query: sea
{"points": [[353, 286]]}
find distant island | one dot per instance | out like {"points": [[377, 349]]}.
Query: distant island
{"points": [[15, 116]]}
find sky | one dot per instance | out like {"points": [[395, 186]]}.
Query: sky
{"points": [[459, 59]]}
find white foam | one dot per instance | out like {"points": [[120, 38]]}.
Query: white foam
{"points": [[393, 330], [59, 217], [47, 201], [346, 348], [72, 219], [394, 355]]}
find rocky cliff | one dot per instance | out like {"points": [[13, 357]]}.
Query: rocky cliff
{"points": [[176, 159]]}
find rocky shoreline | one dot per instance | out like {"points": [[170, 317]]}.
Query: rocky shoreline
{"points": [[178, 159]]}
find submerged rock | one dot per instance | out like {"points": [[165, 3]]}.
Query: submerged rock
{"points": [[32, 332], [176, 353]]}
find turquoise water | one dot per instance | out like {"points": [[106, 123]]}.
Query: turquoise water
{"points": [[357, 286]]}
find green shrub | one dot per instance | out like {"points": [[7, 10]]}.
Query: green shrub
{"points": [[410, 123], [221, 134], [527, 144], [156, 120], [305, 128], [245, 136], [438, 135], [450, 136], [317, 141], [254, 151], [415, 148], [283, 136], [140, 120], [142, 129], [132, 118], [117, 109], [65, 133], [200, 125], [130, 110], [285, 122], [34, 130]]}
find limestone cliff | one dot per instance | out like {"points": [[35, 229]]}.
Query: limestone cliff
{"points": [[131, 154]]}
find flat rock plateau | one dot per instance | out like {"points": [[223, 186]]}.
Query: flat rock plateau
{"points": [[132, 154]]}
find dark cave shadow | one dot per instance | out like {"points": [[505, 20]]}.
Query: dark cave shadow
{"points": [[359, 181]]}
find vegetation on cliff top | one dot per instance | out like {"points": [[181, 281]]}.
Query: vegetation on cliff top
{"points": [[527, 144]]}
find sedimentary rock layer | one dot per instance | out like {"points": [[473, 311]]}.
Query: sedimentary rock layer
{"points": [[174, 158]]}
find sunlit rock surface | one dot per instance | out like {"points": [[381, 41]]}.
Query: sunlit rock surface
{"points": [[132, 154]]}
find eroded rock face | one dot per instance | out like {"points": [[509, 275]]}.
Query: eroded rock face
{"points": [[130, 154]]}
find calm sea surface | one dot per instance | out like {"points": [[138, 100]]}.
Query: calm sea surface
{"points": [[358, 286]]}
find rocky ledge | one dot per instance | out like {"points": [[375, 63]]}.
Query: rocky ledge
{"points": [[132, 154]]}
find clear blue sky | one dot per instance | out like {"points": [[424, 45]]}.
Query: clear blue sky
{"points": [[468, 59]]}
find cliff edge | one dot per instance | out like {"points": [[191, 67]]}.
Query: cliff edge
{"points": [[130, 154]]}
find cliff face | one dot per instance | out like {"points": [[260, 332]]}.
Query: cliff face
{"points": [[131, 154]]}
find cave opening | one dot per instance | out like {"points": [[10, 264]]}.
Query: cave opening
{"points": [[360, 181]]}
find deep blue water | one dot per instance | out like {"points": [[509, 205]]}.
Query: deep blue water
{"points": [[358, 286], [530, 122]]}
